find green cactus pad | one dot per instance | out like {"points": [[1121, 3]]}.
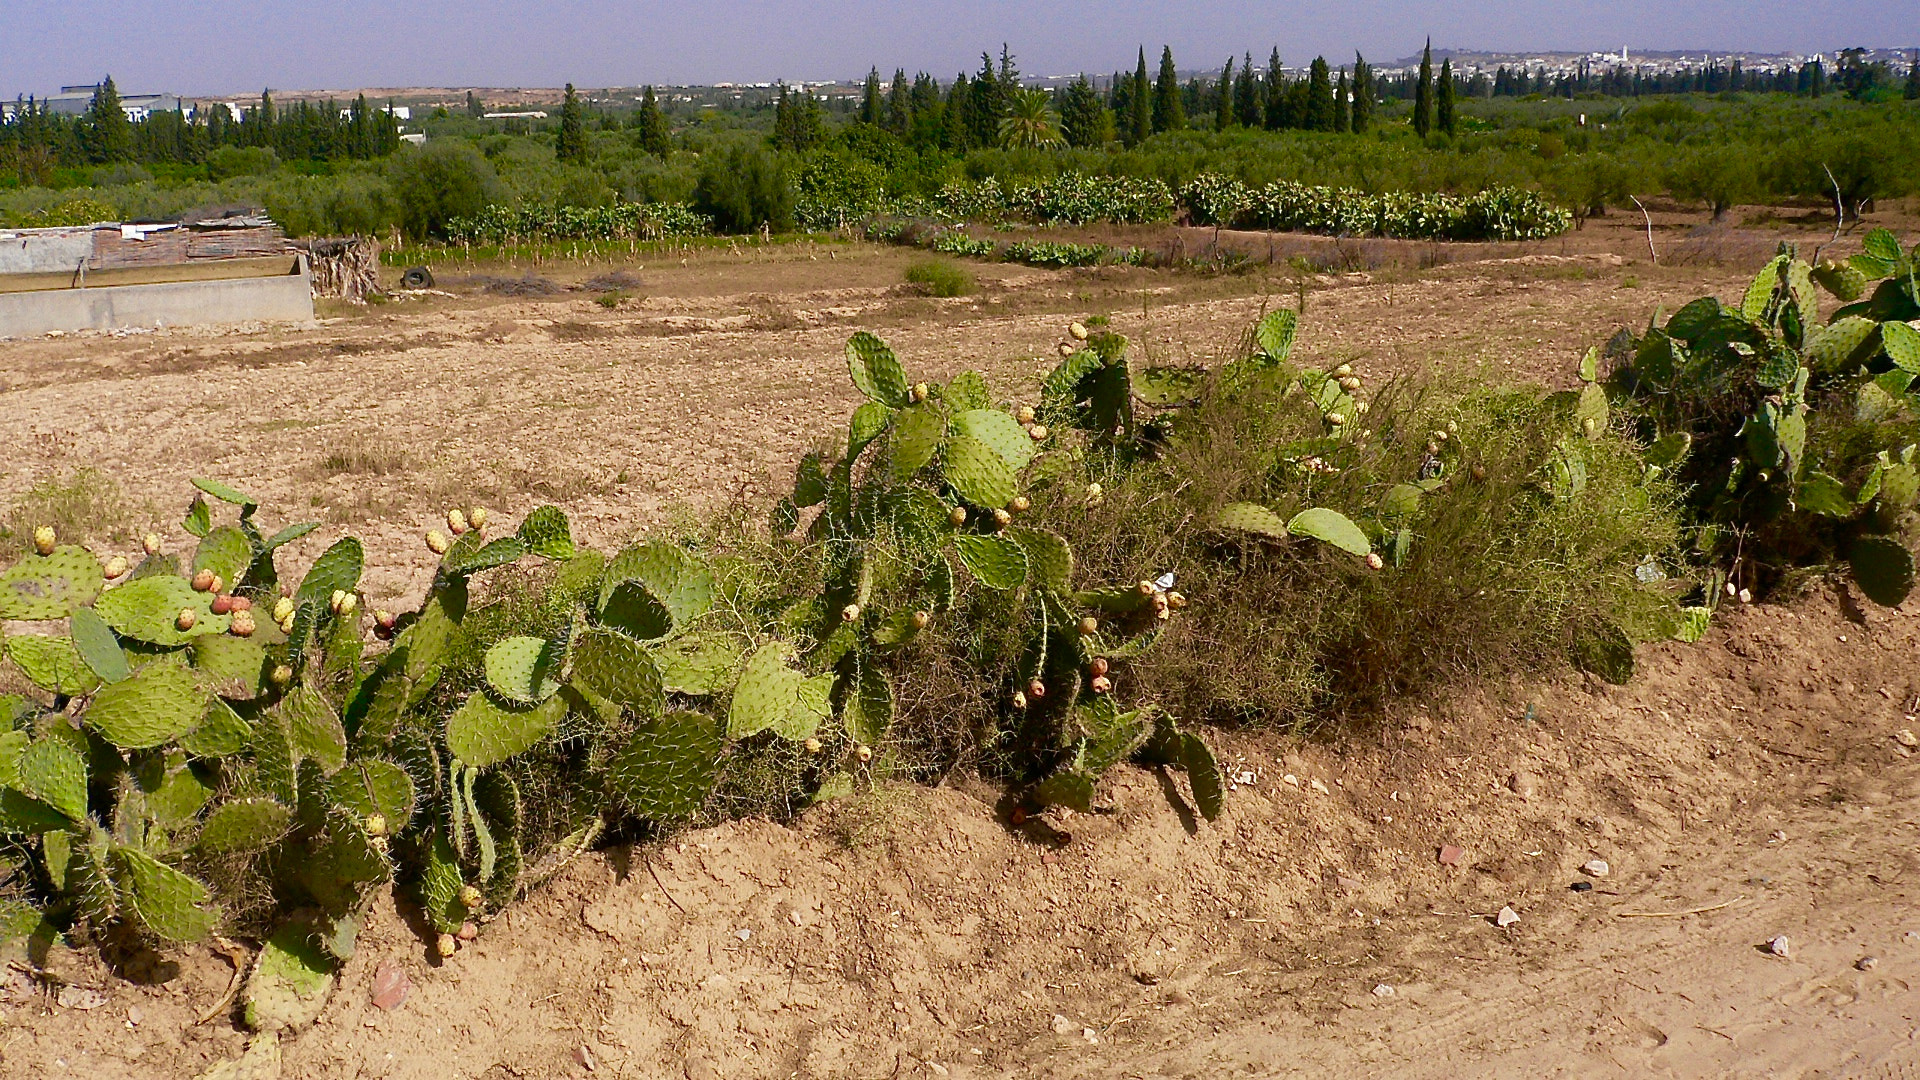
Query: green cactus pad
{"points": [[225, 493], [1070, 788], [998, 562], [21, 813], [244, 825], [1275, 333], [313, 728], [1901, 343], [524, 669], [481, 733], [875, 372], [1114, 600], [52, 663], [12, 744], [98, 647], [439, 885], [1249, 517], [768, 690], [470, 556], [869, 421], [429, 640], [895, 630], [147, 610], [1169, 385], [1845, 282], [1000, 432], [337, 868], [918, 431], [220, 732], [1203, 776], [667, 770], [232, 667], [291, 980], [680, 581], [1605, 650], [54, 773], [1048, 557], [370, 786], [546, 533], [809, 480], [977, 472], [170, 903], [1692, 625], [225, 551], [1834, 346], [1330, 527], [496, 799], [1112, 738], [699, 663], [636, 612], [337, 569], [161, 703], [1592, 406], [1669, 450], [179, 795], [866, 703], [50, 586], [618, 668], [1883, 568], [967, 390]]}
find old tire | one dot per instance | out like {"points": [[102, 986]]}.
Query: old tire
{"points": [[416, 277]]}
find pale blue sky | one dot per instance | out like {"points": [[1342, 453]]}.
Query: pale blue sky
{"points": [[239, 46]]}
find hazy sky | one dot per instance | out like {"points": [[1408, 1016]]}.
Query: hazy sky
{"points": [[231, 47]]}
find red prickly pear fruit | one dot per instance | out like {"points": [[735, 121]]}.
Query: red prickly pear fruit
{"points": [[242, 625], [45, 540], [1024, 414], [221, 604], [1018, 817], [241, 603], [115, 567], [1020, 504], [468, 930], [921, 619], [437, 542], [385, 620], [1102, 684], [445, 945], [1374, 561], [456, 521], [957, 516], [185, 619], [1098, 667], [1089, 626], [1036, 689], [150, 543], [203, 581]]}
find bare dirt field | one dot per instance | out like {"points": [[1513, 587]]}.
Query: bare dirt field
{"points": [[1756, 785]]}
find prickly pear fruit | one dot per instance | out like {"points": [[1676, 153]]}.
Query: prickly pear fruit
{"points": [[468, 930], [477, 517], [921, 619], [1036, 689], [1089, 626], [1102, 684], [1024, 414], [469, 897], [1176, 601], [185, 619], [813, 745], [204, 581], [1374, 561], [850, 613], [385, 620], [115, 567], [1098, 667], [1746, 596], [456, 521], [445, 945], [1588, 426], [437, 542], [919, 391], [1336, 419], [1343, 371], [150, 543], [1078, 330], [1019, 699], [1350, 383], [222, 604], [282, 675], [1001, 519], [864, 753], [283, 609], [1066, 349], [349, 604], [45, 540], [1146, 588], [1094, 491], [377, 826], [1020, 504], [242, 624], [957, 516], [1039, 432], [333, 602]]}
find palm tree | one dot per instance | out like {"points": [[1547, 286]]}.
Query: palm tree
{"points": [[1030, 123]]}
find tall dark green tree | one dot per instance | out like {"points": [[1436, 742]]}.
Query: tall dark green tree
{"points": [[105, 131], [953, 114], [1246, 95], [797, 124], [1084, 118], [871, 107], [899, 106], [1362, 95], [475, 108], [1444, 94], [571, 144], [1423, 94], [1276, 103], [986, 103], [651, 133], [1341, 92], [1913, 75], [1168, 112], [1319, 112], [926, 112], [1139, 104], [1223, 101]]}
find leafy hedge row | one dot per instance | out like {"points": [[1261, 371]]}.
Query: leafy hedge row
{"points": [[499, 224]]}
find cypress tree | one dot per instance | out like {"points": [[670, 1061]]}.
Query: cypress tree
{"points": [[1446, 96], [1362, 95], [1139, 104], [475, 109], [1223, 102], [571, 143], [1423, 94], [652, 133], [106, 132], [924, 110], [870, 107], [953, 115], [1319, 111], [1168, 115], [1084, 119], [899, 108], [1276, 105], [1340, 94], [1246, 95], [986, 104]]}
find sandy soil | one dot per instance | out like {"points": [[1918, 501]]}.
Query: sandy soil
{"points": [[1759, 780]]}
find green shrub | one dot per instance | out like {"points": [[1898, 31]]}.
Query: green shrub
{"points": [[742, 188], [439, 183], [941, 277], [227, 162]]}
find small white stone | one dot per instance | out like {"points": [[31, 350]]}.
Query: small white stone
{"points": [[1780, 946], [743, 933], [1596, 868], [1506, 918], [1062, 1025], [1383, 991], [1320, 787]]}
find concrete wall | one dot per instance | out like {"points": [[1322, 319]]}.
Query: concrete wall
{"points": [[45, 251], [182, 303]]}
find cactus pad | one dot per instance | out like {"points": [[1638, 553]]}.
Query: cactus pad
{"points": [[170, 903], [54, 773], [50, 586], [1693, 624], [698, 663], [98, 648], [220, 732], [866, 425], [52, 663], [977, 472], [471, 554], [235, 668], [1275, 332], [667, 770], [226, 551], [1833, 346], [439, 885], [546, 533], [809, 480], [290, 981], [244, 825], [1591, 410], [918, 431], [1250, 517], [866, 703], [617, 668], [313, 729], [480, 733], [1000, 432], [998, 561], [146, 610], [524, 669], [1070, 788], [630, 608], [1605, 650], [967, 390], [1330, 527], [772, 696], [370, 786], [1048, 557], [1203, 775], [680, 582], [875, 372], [336, 570], [161, 703], [1883, 568]]}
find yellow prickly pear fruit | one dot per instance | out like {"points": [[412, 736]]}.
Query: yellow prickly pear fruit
{"points": [[921, 619], [469, 897], [338, 598], [1336, 419], [864, 753], [185, 619], [115, 567], [242, 625], [1020, 504], [1350, 383], [957, 516], [204, 581], [150, 543], [1343, 371], [1001, 518], [283, 609], [1025, 414], [437, 542], [348, 604], [445, 945], [1147, 588], [377, 825], [1078, 330], [385, 620], [1039, 432], [1019, 699], [919, 391], [1176, 601], [477, 517], [282, 675], [45, 540], [850, 613], [1094, 491], [1089, 626], [1374, 561], [1066, 349], [812, 745], [456, 521]]}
